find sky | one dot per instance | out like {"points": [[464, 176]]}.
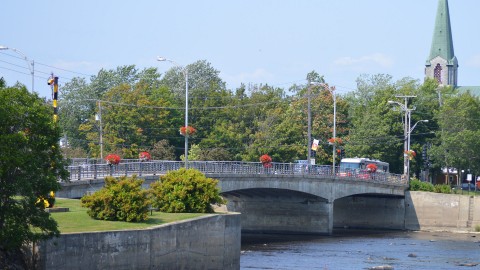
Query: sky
{"points": [[274, 42]]}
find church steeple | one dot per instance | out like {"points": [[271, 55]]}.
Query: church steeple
{"points": [[442, 63]]}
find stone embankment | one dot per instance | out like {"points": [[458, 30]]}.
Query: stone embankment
{"points": [[208, 242]]}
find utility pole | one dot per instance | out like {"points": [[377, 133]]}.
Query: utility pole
{"points": [[406, 131], [99, 119]]}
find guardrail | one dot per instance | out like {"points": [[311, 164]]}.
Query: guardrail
{"points": [[94, 171]]}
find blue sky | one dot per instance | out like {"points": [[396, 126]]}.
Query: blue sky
{"points": [[248, 41]]}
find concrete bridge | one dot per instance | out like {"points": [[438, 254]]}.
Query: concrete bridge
{"points": [[284, 198]]}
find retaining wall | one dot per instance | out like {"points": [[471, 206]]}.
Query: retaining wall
{"points": [[210, 242], [427, 211]]}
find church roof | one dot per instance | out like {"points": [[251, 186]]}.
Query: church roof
{"points": [[442, 42], [474, 90]]}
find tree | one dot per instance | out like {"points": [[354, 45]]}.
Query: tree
{"points": [[79, 98], [131, 121], [162, 150], [30, 166], [457, 142], [185, 191], [374, 130]]}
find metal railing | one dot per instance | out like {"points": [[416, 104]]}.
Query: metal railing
{"points": [[87, 171]]}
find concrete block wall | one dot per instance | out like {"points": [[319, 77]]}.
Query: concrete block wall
{"points": [[210, 242], [426, 210]]}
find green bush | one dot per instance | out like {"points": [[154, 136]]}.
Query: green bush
{"points": [[443, 189], [477, 228], [417, 185], [185, 191], [121, 199]]}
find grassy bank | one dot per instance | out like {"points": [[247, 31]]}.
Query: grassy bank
{"points": [[77, 220]]}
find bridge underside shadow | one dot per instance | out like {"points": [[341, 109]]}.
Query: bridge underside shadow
{"points": [[267, 210]]}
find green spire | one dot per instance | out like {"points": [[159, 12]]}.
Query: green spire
{"points": [[442, 42]]}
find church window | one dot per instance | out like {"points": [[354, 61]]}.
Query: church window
{"points": [[437, 73]]}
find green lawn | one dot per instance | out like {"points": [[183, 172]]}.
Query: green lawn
{"points": [[77, 220]]}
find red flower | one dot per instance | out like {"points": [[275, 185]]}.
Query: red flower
{"points": [[372, 167], [112, 159], [187, 131], [335, 141], [144, 156], [265, 159]]}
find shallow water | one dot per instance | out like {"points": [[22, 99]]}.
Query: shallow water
{"points": [[348, 249]]}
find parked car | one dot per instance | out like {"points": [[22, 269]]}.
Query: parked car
{"points": [[468, 186]]}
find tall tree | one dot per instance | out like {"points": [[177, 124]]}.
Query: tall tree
{"points": [[30, 167]]}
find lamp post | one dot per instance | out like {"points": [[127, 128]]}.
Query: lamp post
{"points": [[30, 64], [408, 141], [407, 130], [334, 96], [185, 73], [407, 111], [309, 128], [98, 117]]}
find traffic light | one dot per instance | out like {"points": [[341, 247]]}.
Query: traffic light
{"points": [[424, 152]]}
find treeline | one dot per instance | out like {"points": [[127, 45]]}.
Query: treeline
{"points": [[142, 110]]}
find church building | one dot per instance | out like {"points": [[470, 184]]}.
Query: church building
{"points": [[442, 64]]}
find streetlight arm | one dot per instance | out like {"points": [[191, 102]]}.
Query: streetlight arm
{"points": [[397, 103], [183, 68], [22, 54], [413, 127], [30, 64]]}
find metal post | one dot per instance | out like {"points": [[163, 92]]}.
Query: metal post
{"points": [[334, 126], [101, 131], [185, 71], [309, 129]]}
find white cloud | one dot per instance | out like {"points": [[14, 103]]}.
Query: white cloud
{"points": [[365, 62]]}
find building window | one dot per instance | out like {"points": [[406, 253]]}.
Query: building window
{"points": [[437, 73]]}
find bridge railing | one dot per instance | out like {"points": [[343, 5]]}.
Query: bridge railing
{"points": [[94, 170]]}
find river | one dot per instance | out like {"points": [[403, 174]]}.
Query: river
{"points": [[350, 249]]}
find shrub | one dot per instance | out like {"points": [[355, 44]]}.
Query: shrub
{"points": [[477, 228], [417, 185], [443, 189], [185, 191], [121, 199]]}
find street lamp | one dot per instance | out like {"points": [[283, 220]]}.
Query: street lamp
{"points": [[334, 96], [185, 73], [405, 132], [408, 141], [30, 64]]}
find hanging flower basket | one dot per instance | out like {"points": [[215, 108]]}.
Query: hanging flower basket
{"points": [[371, 168], [335, 141], [187, 131], [144, 156], [112, 159], [265, 159], [410, 154]]}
